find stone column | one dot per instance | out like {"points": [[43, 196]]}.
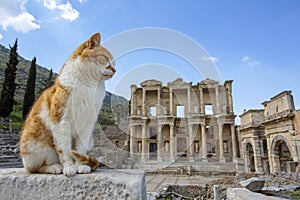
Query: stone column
{"points": [[276, 163], [189, 99], [171, 101], [233, 139], [217, 100], [144, 102], [158, 103], [191, 143], [144, 141], [132, 134], [160, 146], [230, 103], [201, 100], [220, 129], [204, 142], [257, 156], [270, 157], [172, 143], [132, 110]]}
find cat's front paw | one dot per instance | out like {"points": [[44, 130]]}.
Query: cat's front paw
{"points": [[84, 169], [70, 171]]}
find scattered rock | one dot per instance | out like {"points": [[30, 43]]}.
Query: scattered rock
{"points": [[245, 194], [253, 184]]}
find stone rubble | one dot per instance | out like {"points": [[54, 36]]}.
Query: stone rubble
{"points": [[253, 184]]}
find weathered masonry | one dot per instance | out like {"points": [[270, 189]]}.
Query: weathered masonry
{"points": [[182, 120], [270, 136]]}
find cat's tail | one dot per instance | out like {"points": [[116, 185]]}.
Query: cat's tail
{"points": [[85, 159]]}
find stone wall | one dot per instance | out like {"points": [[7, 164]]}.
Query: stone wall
{"points": [[110, 146]]}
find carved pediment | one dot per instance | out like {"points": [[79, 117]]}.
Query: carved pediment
{"points": [[179, 83], [208, 83], [151, 82]]}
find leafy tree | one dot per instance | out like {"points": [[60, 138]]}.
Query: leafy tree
{"points": [[30, 89], [9, 85]]}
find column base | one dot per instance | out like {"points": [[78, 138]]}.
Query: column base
{"points": [[159, 159], [222, 160], [172, 160], [131, 155], [204, 160], [191, 159], [143, 159]]}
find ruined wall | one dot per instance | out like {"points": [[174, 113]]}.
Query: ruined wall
{"points": [[297, 121], [280, 103]]}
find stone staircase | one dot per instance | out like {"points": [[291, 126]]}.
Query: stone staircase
{"points": [[10, 161], [9, 151], [183, 166]]}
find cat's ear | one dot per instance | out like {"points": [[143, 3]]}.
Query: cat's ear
{"points": [[94, 40]]}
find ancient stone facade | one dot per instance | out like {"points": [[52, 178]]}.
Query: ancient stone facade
{"points": [[182, 120], [270, 136]]}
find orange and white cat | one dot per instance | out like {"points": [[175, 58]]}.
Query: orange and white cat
{"points": [[58, 130]]}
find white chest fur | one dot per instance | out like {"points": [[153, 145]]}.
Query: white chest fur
{"points": [[87, 91]]}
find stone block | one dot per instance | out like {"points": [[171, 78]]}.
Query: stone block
{"points": [[100, 184], [253, 184], [245, 194]]}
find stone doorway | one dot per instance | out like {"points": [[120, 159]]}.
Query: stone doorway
{"points": [[250, 163], [282, 155], [153, 150], [181, 147]]}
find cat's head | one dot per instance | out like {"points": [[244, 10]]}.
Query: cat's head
{"points": [[91, 53]]}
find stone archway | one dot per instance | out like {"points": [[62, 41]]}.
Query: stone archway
{"points": [[281, 154], [249, 157]]}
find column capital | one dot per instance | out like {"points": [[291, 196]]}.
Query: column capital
{"points": [[220, 124]]}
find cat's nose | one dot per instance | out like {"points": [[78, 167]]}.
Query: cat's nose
{"points": [[112, 68]]}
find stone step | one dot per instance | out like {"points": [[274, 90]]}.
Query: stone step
{"points": [[9, 157], [11, 165], [10, 160]]}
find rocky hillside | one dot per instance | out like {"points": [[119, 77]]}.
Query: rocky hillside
{"points": [[22, 73]]}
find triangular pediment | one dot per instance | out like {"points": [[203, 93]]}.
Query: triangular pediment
{"points": [[179, 83], [151, 82]]}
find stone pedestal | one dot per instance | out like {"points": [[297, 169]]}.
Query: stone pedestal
{"points": [[239, 164], [101, 184], [222, 160]]}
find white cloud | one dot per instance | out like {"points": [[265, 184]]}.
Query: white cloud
{"points": [[13, 14], [82, 1], [245, 59], [248, 61], [1, 36], [50, 4], [209, 58], [67, 10]]}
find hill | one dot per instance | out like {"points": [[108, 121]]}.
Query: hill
{"points": [[42, 73]]}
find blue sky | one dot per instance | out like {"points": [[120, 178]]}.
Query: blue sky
{"points": [[255, 43]]}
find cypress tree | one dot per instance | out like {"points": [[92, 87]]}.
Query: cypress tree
{"points": [[9, 85], [47, 83], [30, 89]]}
